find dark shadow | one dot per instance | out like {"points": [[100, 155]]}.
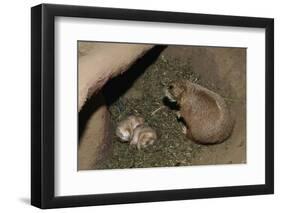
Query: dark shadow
{"points": [[120, 84], [170, 104]]}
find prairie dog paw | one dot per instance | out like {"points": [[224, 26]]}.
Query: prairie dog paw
{"points": [[184, 129], [178, 114]]}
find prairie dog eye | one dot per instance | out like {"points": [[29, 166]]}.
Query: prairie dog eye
{"points": [[171, 87]]}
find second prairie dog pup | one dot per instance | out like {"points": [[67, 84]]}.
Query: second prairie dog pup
{"points": [[205, 113], [126, 127], [143, 136]]}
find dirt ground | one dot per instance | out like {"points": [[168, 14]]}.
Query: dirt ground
{"points": [[139, 91]]}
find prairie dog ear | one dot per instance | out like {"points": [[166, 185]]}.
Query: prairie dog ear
{"points": [[181, 85], [141, 119]]}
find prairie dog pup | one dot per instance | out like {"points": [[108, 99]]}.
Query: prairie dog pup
{"points": [[126, 127], [205, 113], [143, 136]]}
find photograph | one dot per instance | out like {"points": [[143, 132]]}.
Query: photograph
{"points": [[138, 105], [160, 105]]}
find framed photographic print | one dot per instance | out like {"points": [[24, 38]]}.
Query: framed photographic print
{"points": [[139, 106]]}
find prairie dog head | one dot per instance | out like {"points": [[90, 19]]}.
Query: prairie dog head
{"points": [[125, 128], [143, 136], [174, 91]]}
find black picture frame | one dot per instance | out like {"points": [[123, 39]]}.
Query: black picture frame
{"points": [[43, 102]]}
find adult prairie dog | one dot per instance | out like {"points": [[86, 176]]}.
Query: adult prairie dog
{"points": [[143, 136], [125, 128], [205, 113]]}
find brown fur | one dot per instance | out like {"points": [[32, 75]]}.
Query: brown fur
{"points": [[125, 128], [143, 136], [206, 114]]}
